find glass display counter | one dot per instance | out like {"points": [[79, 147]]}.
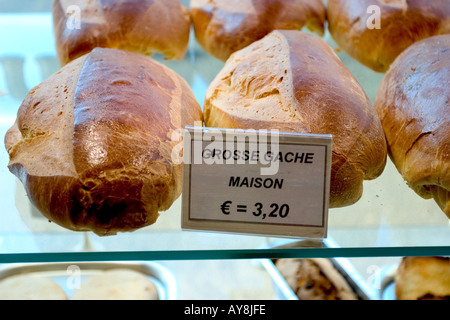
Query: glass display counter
{"points": [[389, 219]]}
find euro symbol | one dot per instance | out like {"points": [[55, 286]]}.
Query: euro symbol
{"points": [[225, 207]]}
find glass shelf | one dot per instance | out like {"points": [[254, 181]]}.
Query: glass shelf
{"points": [[389, 220]]}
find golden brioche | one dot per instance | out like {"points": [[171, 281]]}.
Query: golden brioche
{"points": [[92, 144], [423, 278], [225, 26], [143, 26], [294, 82], [414, 108], [401, 23]]}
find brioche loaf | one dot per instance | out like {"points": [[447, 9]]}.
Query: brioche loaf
{"points": [[315, 279], [414, 108], [294, 82], [225, 26], [423, 278], [402, 22], [143, 26], [92, 144]]}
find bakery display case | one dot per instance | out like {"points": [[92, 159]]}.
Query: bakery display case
{"points": [[389, 220], [139, 281]]}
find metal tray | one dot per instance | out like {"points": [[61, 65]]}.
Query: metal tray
{"points": [[62, 272], [344, 267], [387, 282]]}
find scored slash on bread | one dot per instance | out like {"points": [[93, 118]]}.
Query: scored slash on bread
{"points": [[294, 82], [92, 144]]}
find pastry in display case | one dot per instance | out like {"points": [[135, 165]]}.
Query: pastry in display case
{"points": [[108, 280], [416, 278], [288, 80], [143, 26], [375, 32], [226, 26], [91, 115], [423, 278], [93, 143], [413, 103], [29, 287], [294, 82], [315, 279]]}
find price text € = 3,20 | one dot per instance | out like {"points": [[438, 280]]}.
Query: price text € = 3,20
{"points": [[275, 210]]}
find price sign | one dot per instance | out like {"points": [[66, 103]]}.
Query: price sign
{"points": [[256, 182]]}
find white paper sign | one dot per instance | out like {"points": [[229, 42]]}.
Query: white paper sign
{"points": [[256, 182]]}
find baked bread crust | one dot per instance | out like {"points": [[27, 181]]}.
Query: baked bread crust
{"points": [[225, 26], [413, 106], [423, 278], [92, 144], [294, 82], [143, 26], [403, 22]]}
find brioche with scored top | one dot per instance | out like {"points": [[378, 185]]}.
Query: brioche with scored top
{"points": [[225, 26], [143, 26], [294, 82], [92, 144], [353, 25], [413, 103]]}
